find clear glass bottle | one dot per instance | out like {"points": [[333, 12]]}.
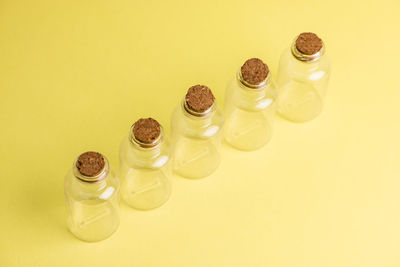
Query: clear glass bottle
{"points": [[145, 166], [196, 134], [250, 107], [92, 198], [303, 76]]}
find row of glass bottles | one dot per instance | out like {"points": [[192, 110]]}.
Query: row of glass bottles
{"points": [[197, 128]]}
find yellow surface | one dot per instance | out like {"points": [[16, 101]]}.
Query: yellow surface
{"points": [[74, 75]]}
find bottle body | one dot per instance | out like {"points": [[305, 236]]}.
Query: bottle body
{"points": [[145, 174], [196, 142], [92, 207], [249, 114], [302, 86]]}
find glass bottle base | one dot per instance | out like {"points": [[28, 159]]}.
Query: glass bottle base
{"points": [[87, 238], [192, 176]]}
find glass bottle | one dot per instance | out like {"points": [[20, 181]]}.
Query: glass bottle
{"points": [[92, 198], [250, 107], [196, 127], [145, 166], [303, 78]]}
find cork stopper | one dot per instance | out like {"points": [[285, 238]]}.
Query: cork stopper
{"points": [[254, 71], [199, 98], [308, 43], [90, 164], [146, 130]]}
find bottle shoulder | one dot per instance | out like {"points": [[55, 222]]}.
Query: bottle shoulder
{"points": [[289, 64], [102, 190], [188, 125], [250, 99], [135, 157]]}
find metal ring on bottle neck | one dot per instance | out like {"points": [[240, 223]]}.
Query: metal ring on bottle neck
{"points": [[203, 114], [306, 58], [252, 86], [133, 139], [92, 179]]}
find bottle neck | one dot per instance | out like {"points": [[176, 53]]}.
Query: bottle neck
{"points": [[92, 179], [146, 150], [88, 188], [253, 98], [304, 57], [304, 67], [252, 93], [195, 119]]}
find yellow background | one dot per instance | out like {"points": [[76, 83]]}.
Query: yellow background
{"points": [[74, 75]]}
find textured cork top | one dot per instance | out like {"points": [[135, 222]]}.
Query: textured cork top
{"points": [[254, 71], [90, 163], [146, 130], [199, 98], [308, 43]]}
